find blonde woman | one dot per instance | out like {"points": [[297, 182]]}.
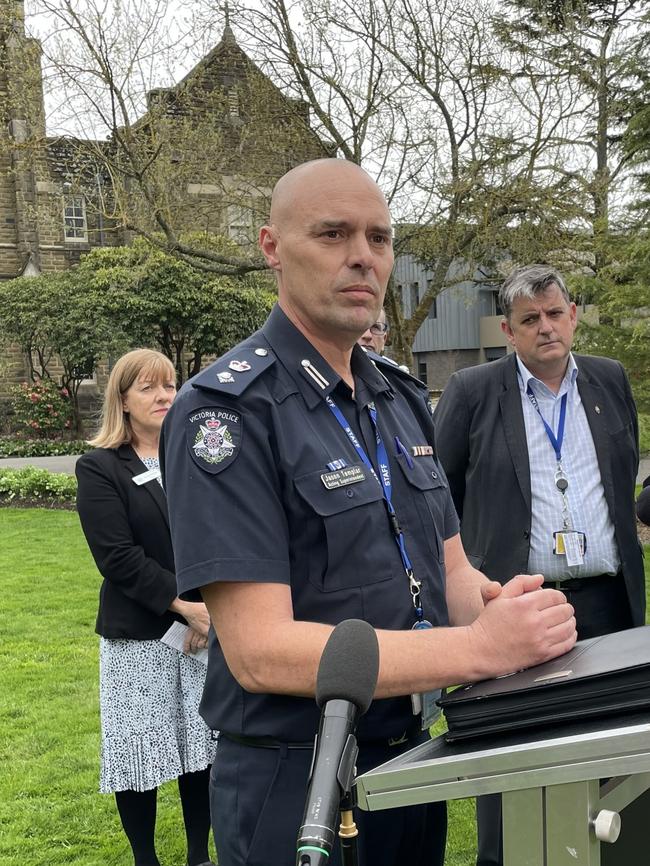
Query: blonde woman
{"points": [[149, 692]]}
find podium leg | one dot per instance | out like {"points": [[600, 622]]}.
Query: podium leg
{"points": [[523, 828], [570, 841]]}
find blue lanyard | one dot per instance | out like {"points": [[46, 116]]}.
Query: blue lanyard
{"points": [[384, 479], [556, 441]]}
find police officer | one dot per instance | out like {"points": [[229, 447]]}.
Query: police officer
{"points": [[283, 462]]}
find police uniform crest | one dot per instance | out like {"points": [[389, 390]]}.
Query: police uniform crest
{"points": [[214, 437]]}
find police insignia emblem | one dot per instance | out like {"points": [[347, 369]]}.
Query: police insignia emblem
{"points": [[213, 437], [239, 366], [225, 377]]}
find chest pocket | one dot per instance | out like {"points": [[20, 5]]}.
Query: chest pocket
{"points": [[429, 499], [347, 531]]}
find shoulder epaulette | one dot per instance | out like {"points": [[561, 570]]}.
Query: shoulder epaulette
{"points": [[384, 364], [235, 371]]}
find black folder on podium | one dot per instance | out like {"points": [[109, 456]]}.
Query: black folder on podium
{"points": [[598, 677]]}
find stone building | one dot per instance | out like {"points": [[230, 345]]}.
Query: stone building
{"points": [[221, 137]]}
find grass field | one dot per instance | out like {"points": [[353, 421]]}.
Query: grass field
{"points": [[50, 811]]}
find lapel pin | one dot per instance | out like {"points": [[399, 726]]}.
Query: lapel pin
{"points": [[597, 409]]}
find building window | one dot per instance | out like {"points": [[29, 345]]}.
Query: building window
{"points": [[493, 353], [422, 371], [233, 102], [240, 224], [74, 219], [85, 372], [414, 296]]}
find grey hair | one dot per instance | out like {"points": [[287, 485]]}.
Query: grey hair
{"points": [[528, 282]]}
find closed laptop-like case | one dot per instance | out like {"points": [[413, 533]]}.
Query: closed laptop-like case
{"points": [[601, 676]]}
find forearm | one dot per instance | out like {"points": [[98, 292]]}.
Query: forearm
{"points": [[268, 651], [464, 598]]}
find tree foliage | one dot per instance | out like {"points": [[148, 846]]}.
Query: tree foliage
{"points": [[59, 324], [622, 289], [416, 93], [121, 297], [154, 299], [587, 48]]}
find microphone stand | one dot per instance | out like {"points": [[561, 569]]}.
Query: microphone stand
{"points": [[348, 831]]}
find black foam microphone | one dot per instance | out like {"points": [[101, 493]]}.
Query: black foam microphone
{"points": [[345, 684]]}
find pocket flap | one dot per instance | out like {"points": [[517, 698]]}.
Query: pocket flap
{"points": [[335, 500]]}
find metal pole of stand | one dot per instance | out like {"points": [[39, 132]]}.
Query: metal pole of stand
{"points": [[348, 831]]}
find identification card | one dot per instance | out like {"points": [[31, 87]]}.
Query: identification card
{"points": [[343, 477], [149, 475], [425, 703], [571, 544]]}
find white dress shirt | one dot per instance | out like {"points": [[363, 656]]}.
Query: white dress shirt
{"points": [[588, 511]]}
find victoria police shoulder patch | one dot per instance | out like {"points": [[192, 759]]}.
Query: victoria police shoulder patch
{"points": [[213, 437]]}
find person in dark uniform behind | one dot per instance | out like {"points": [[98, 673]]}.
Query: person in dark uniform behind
{"points": [[282, 462]]}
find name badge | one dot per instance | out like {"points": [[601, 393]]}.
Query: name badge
{"points": [[571, 544], [149, 475], [343, 477]]}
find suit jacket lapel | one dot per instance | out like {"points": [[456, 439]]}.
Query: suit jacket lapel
{"points": [[594, 403], [134, 466], [512, 416]]}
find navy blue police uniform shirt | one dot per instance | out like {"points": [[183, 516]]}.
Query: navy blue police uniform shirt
{"points": [[247, 454]]}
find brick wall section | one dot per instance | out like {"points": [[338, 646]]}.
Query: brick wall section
{"points": [[440, 365]]}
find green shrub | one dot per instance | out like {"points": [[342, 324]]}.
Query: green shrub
{"points": [[644, 433], [33, 483], [12, 446]]}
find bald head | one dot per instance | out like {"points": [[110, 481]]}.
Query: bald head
{"points": [[308, 179], [329, 241]]}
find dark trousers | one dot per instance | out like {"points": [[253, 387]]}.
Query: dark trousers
{"points": [[601, 607], [257, 799]]}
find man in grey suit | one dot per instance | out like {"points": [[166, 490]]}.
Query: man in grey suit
{"points": [[541, 452]]}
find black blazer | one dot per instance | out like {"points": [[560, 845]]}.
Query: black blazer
{"points": [[481, 441], [127, 529]]}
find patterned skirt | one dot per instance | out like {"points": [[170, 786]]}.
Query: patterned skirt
{"points": [[149, 699]]}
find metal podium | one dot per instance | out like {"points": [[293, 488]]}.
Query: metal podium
{"points": [[556, 809]]}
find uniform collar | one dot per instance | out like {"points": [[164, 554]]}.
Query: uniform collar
{"points": [[313, 376]]}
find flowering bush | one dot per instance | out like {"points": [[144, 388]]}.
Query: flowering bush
{"points": [[42, 408]]}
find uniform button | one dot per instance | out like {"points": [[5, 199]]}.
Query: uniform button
{"points": [[261, 352], [349, 493], [526, 533], [434, 475]]}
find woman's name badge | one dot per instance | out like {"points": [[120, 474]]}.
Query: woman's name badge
{"points": [[144, 477]]}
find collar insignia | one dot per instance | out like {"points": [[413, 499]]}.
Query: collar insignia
{"points": [[239, 366]]}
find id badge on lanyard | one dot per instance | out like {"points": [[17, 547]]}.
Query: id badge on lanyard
{"points": [[422, 702], [425, 703]]}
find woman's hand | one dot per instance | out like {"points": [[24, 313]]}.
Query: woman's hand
{"points": [[194, 642], [195, 614]]}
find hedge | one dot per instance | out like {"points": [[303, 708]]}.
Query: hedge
{"points": [[33, 484], [13, 447]]}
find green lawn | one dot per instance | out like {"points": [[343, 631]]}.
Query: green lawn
{"points": [[50, 811]]}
